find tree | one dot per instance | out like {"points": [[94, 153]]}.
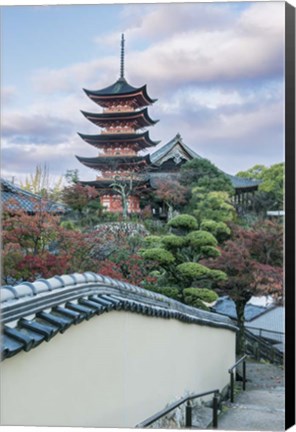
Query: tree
{"points": [[213, 206], [85, 204], [41, 183], [250, 270], [37, 246], [176, 257], [127, 185], [204, 174], [271, 188], [172, 193], [72, 176]]}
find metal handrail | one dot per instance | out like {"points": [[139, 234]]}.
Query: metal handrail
{"points": [[264, 330], [262, 348], [230, 370], [188, 416]]}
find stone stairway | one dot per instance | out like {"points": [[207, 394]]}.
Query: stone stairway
{"points": [[262, 406]]}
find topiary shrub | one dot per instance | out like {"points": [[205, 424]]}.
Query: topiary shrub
{"points": [[210, 251], [201, 238], [183, 221], [196, 303], [173, 241], [203, 294], [218, 275], [219, 229], [159, 255], [191, 270], [172, 292], [152, 241]]}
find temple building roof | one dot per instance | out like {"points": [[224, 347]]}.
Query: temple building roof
{"points": [[174, 149], [107, 139], [140, 119], [176, 152], [113, 162], [241, 182], [15, 198]]}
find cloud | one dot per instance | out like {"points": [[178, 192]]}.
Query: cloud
{"points": [[216, 69], [59, 157], [8, 95], [171, 45], [22, 128], [74, 77]]}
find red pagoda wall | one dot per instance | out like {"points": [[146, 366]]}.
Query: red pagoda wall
{"points": [[112, 203]]}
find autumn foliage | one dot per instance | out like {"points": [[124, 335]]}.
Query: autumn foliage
{"points": [[37, 246], [252, 260]]}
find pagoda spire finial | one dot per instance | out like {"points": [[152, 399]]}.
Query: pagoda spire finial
{"points": [[122, 57]]}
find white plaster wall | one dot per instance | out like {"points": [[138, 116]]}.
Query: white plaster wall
{"points": [[113, 371]]}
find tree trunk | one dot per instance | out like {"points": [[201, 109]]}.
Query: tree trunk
{"points": [[170, 212], [240, 309], [124, 206]]}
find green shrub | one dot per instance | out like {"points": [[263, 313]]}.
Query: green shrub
{"points": [[203, 294], [68, 224], [201, 238], [159, 255], [210, 251], [218, 275], [152, 241], [173, 241], [219, 229], [209, 225], [171, 292], [183, 221], [191, 270], [195, 302]]}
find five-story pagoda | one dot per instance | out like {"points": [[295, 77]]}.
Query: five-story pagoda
{"points": [[123, 119]]}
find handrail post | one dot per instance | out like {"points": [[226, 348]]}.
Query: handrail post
{"points": [[244, 374], [231, 386], [215, 411], [188, 414]]}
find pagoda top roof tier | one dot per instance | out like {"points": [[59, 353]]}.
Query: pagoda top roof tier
{"points": [[114, 162], [120, 90], [139, 118], [143, 140]]}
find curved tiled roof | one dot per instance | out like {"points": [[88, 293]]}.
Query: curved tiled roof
{"points": [[109, 139], [141, 118], [17, 198], [162, 151], [35, 312], [120, 89], [103, 162], [158, 155], [242, 182]]}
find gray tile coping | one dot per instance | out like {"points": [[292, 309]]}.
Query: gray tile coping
{"points": [[33, 312]]}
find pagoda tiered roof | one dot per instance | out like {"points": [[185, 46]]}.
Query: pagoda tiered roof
{"points": [[105, 184], [114, 162], [141, 140], [139, 119], [121, 90]]}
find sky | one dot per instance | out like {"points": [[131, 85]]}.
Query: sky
{"points": [[216, 70]]}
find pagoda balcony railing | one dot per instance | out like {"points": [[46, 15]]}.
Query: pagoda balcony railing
{"points": [[118, 153], [118, 109], [116, 131]]}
